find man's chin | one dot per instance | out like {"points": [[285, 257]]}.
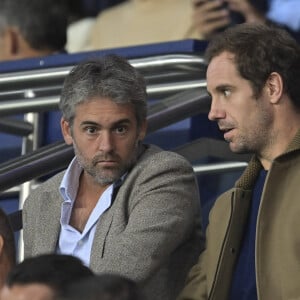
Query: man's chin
{"points": [[104, 181], [107, 176], [238, 149]]}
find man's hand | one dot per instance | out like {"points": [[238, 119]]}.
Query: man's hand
{"points": [[209, 16], [244, 7]]}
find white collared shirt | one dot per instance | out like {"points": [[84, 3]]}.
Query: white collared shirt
{"points": [[71, 241]]}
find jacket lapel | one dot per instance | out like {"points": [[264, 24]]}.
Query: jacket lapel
{"points": [[101, 233], [240, 204], [102, 229], [48, 224]]}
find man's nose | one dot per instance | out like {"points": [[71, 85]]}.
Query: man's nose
{"points": [[105, 141], [216, 112]]}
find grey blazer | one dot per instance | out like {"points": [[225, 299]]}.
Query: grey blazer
{"points": [[151, 233]]}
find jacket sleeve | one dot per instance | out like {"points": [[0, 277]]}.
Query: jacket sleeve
{"points": [[195, 287]]}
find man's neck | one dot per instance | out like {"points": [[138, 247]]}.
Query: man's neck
{"points": [[88, 189], [280, 146], [286, 124]]}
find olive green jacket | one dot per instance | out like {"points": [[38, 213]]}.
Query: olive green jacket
{"points": [[277, 249]]}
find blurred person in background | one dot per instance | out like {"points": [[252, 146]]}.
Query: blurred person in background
{"points": [[43, 277], [82, 15], [136, 22], [32, 28], [93, 7], [104, 287], [212, 16]]}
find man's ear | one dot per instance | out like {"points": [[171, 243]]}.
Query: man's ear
{"points": [[66, 131], [1, 244], [11, 43], [274, 87], [143, 130]]}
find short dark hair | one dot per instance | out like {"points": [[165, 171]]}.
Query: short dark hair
{"points": [[109, 76], [42, 23], [104, 287], [54, 270], [258, 51], [7, 234]]}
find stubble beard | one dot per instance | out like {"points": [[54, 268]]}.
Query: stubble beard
{"points": [[106, 175], [257, 139], [240, 145]]}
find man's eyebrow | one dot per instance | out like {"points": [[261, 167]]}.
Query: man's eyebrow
{"points": [[220, 88], [89, 123], [116, 123], [223, 87], [121, 122]]}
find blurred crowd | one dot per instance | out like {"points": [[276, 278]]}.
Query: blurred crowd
{"points": [[80, 25], [119, 23]]}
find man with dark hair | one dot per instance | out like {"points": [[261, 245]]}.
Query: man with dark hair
{"points": [[252, 247], [122, 206], [7, 247], [104, 287], [43, 277], [31, 28]]}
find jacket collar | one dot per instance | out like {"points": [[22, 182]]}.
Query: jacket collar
{"points": [[248, 178], [294, 144]]}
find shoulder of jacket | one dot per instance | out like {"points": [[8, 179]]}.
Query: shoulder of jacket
{"points": [[160, 156], [49, 184]]}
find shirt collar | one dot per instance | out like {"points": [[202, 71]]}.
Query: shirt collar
{"points": [[70, 182]]}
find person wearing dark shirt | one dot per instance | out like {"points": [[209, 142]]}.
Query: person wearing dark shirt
{"points": [[252, 246]]}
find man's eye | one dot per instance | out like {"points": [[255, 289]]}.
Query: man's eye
{"points": [[226, 93], [121, 129], [90, 130]]}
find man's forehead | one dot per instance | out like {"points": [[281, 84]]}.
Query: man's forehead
{"points": [[222, 59], [100, 101], [30, 291], [221, 69]]}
